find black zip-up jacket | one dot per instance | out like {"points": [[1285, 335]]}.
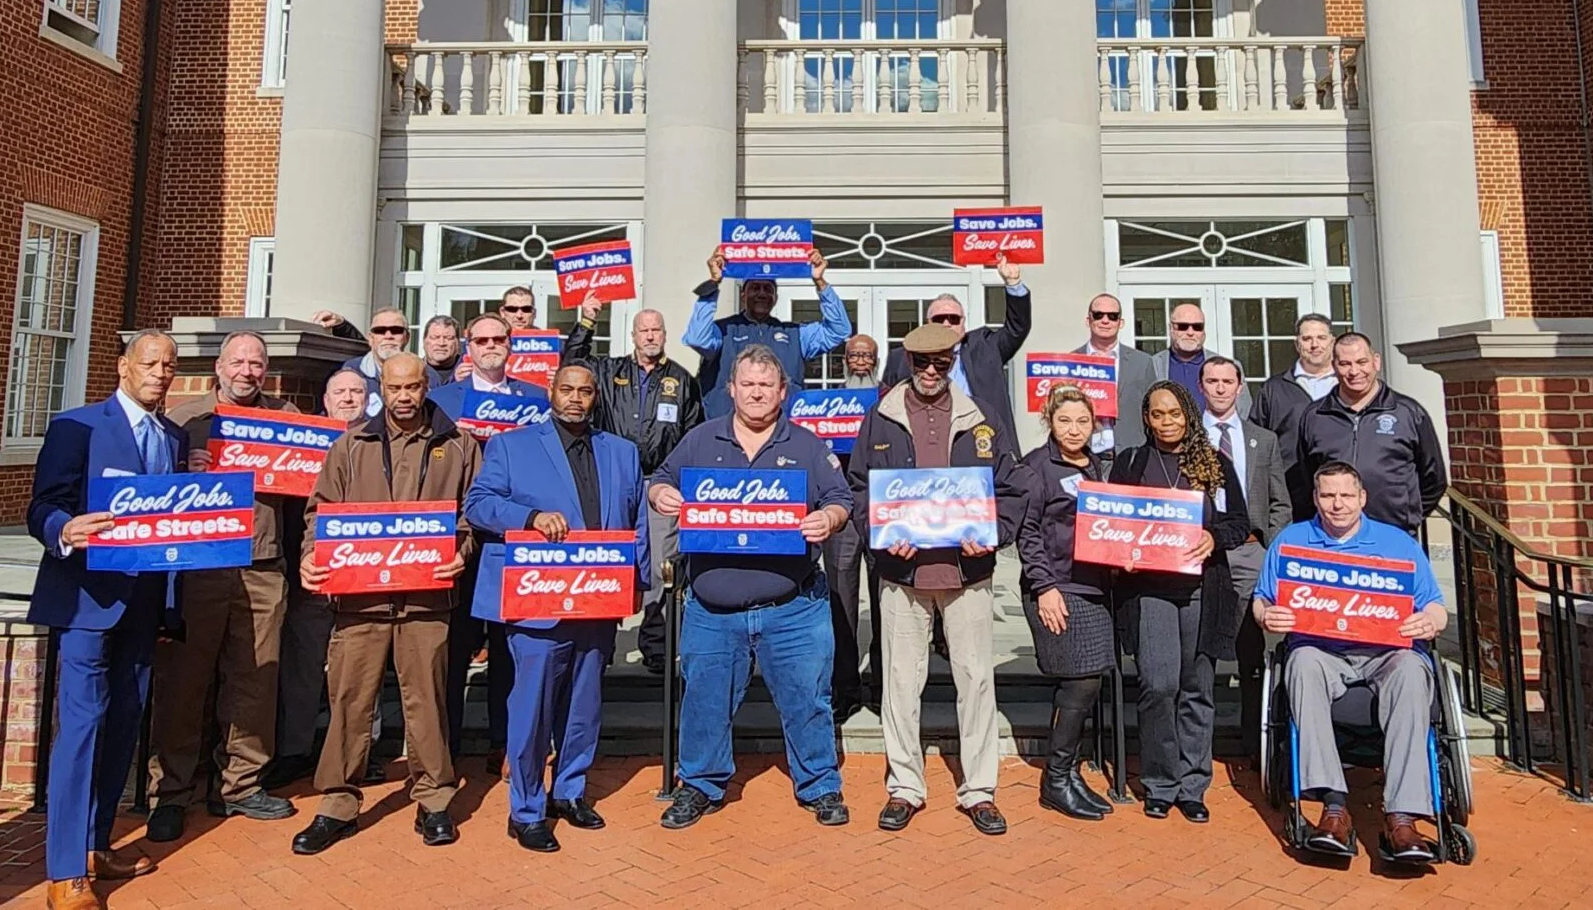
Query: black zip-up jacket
{"points": [[622, 410], [1391, 442], [1052, 514], [885, 442], [1278, 407]]}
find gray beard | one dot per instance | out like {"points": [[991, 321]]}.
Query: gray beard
{"points": [[856, 381]]}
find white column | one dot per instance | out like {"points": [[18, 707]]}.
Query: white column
{"points": [[1054, 161], [1425, 177], [326, 172], [690, 176]]}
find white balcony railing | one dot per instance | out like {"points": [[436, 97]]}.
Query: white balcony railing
{"points": [[882, 78], [534, 79], [1185, 77]]}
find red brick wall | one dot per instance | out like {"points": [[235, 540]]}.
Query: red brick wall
{"points": [[21, 669], [69, 127], [1345, 18]]}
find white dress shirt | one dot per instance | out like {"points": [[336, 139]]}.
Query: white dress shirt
{"points": [[135, 414], [1105, 436], [1236, 439], [481, 384], [1317, 387]]}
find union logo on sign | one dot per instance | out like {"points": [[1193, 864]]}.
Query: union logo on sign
{"points": [[741, 540], [386, 576], [171, 554]]}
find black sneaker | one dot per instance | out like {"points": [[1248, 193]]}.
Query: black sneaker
{"points": [[260, 806], [165, 824], [688, 805], [435, 828], [829, 809]]}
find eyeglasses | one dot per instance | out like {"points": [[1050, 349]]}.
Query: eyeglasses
{"points": [[1190, 326], [946, 319], [388, 330], [1097, 316], [860, 355], [490, 339], [941, 362], [511, 308]]}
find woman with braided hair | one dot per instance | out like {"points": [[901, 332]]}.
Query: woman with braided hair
{"points": [[1178, 626]]}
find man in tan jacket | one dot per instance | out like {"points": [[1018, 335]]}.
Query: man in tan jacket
{"points": [[409, 451], [232, 621]]}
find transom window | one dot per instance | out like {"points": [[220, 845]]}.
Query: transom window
{"points": [[885, 244], [49, 340], [1213, 244], [515, 247]]}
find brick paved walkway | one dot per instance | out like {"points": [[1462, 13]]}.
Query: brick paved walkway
{"points": [[762, 851]]}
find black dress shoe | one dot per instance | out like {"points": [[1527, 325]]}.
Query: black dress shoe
{"points": [[535, 836], [829, 809], [1157, 808], [260, 806], [1194, 810], [435, 828], [653, 663], [578, 812], [165, 824], [1100, 803], [324, 831], [987, 819], [287, 769], [896, 814], [687, 807]]}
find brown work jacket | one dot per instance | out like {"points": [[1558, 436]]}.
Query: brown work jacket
{"points": [[195, 416]]}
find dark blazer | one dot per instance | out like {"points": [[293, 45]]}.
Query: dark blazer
{"points": [[1135, 375], [79, 444], [1159, 361], [985, 354], [1221, 611], [1266, 487], [450, 398]]}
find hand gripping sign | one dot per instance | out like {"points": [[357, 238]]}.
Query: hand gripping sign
{"points": [[931, 507], [591, 575], [1363, 599], [285, 451], [376, 547], [834, 415], [534, 355], [1094, 374], [601, 268], [173, 521], [977, 235], [1148, 526], [754, 513], [486, 414], [762, 248]]}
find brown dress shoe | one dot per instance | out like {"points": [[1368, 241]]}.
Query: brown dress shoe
{"points": [[104, 865], [987, 819], [1332, 833], [1405, 843], [72, 894]]}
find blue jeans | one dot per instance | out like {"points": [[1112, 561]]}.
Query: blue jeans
{"points": [[795, 648]]}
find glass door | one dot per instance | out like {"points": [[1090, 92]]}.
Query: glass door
{"points": [[1152, 307], [1255, 326], [466, 302], [884, 313]]}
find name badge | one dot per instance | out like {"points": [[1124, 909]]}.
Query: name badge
{"points": [[1221, 499], [1070, 484], [668, 412]]}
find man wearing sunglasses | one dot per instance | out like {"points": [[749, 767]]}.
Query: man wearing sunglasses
{"points": [[718, 342], [388, 335], [1135, 374], [488, 339], [519, 308], [979, 367], [1186, 353]]}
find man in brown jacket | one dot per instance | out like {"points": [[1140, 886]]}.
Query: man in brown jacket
{"points": [[232, 622], [409, 451]]}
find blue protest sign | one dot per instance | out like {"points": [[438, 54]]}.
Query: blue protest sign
{"points": [[931, 507], [766, 248], [743, 512], [486, 414], [834, 415], [166, 522]]}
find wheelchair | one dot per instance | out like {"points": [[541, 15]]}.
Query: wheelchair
{"points": [[1360, 744]]}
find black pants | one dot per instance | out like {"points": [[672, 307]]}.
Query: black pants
{"points": [[465, 635], [1176, 710], [845, 555]]}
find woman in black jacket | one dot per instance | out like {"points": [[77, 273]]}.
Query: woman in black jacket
{"points": [[1064, 601], [1178, 626]]}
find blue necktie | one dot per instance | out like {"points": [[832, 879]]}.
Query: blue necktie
{"points": [[152, 447]]}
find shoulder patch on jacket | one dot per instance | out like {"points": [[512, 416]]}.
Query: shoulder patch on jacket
{"points": [[881, 446], [984, 440], [621, 380]]}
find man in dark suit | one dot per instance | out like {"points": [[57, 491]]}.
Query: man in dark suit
{"points": [[982, 354], [106, 621], [553, 478], [1135, 373], [1258, 462]]}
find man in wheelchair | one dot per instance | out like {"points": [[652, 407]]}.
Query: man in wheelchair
{"points": [[1319, 670]]}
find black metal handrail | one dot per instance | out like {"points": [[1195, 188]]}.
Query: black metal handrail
{"points": [[1483, 545]]}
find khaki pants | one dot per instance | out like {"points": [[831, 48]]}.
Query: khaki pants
{"points": [[906, 618], [356, 661], [232, 622]]}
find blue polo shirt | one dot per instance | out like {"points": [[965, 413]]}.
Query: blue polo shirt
{"points": [[1373, 538], [733, 582]]}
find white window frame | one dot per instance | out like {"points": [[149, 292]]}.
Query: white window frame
{"points": [[257, 294], [106, 30], [24, 449], [1479, 78], [1492, 277], [274, 65]]}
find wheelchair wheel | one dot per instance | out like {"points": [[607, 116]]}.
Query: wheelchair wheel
{"points": [[1268, 788], [1462, 846], [1456, 777]]}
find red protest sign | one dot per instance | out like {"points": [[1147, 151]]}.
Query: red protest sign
{"points": [[604, 269], [1148, 526], [378, 547], [1094, 374], [284, 450], [1363, 599], [979, 235], [588, 575], [534, 355]]}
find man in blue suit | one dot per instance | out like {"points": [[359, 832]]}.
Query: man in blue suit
{"points": [[564, 476], [487, 340], [106, 621]]}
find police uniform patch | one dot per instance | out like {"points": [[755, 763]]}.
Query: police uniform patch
{"points": [[1385, 424], [669, 386], [882, 446], [781, 337], [622, 380], [984, 440]]}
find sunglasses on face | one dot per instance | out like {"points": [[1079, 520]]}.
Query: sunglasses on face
{"points": [[1097, 316], [946, 319], [388, 330], [940, 362], [1190, 326], [490, 339], [511, 308]]}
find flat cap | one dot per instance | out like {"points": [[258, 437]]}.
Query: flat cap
{"points": [[930, 338]]}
